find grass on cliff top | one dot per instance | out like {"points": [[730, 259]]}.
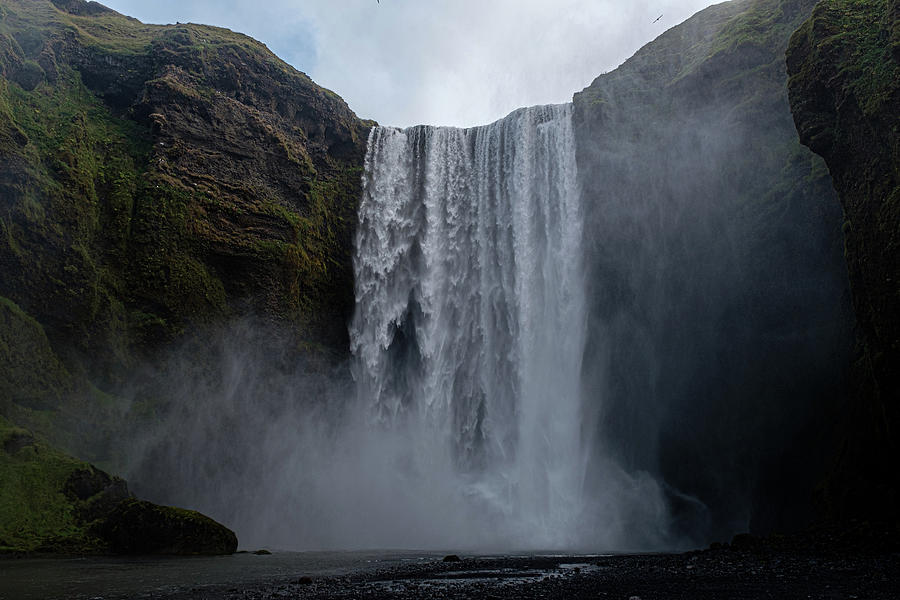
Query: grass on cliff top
{"points": [[33, 21], [861, 34], [35, 514], [763, 25]]}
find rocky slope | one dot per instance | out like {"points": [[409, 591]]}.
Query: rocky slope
{"points": [[844, 64], [720, 332]]}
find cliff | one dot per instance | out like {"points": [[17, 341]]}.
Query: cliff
{"points": [[158, 179], [156, 182], [155, 177], [844, 64], [719, 332]]}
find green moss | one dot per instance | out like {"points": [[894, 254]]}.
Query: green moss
{"points": [[857, 36], [51, 502], [35, 513], [165, 270], [321, 257], [79, 164], [32, 374]]}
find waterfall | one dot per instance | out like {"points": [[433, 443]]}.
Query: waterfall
{"points": [[469, 328], [467, 427]]}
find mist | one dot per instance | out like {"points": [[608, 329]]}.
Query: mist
{"points": [[288, 456]]}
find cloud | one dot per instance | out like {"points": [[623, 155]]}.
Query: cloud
{"points": [[442, 62]]}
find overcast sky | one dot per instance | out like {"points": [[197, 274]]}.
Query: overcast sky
{"points": [[440, 62]]}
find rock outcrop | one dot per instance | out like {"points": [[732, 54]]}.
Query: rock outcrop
{"points": [[53, 503], [844, 64], [140, 527]]}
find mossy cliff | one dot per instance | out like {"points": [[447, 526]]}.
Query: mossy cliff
{"points": [[844, 64], [719, 331], [156, 179]]}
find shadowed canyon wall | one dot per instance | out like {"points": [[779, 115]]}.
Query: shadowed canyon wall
{"points": [[719, 330], [844, 64]]}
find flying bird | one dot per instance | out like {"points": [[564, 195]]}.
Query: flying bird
{"points": [[657, 18]]}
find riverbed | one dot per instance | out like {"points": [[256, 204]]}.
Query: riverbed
{"points": [[721, 573]]}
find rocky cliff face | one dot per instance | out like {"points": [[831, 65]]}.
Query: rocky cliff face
{"points": [[844, 64], [156, 179], [719, 332]]}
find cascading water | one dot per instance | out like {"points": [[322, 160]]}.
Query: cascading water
{"points": [[469, 327]]}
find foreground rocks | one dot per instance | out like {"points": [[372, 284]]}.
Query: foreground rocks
{"points": [[735, 572], [139, 527]]}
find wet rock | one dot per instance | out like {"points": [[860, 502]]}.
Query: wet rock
{"points": [[262, 552], [744, 541], [85, 483], [452, 558], [139, 527], [305, 580]]}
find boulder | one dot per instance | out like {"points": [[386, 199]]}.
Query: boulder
{"points": [[140, 527]]}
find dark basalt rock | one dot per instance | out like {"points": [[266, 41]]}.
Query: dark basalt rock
{"points": [[87, 483], [139, 527], [222, 182]]}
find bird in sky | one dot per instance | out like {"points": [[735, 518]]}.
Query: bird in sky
{"points": [[657, 18]]}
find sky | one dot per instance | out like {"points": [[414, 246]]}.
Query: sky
{"points": [[438, 62]]}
